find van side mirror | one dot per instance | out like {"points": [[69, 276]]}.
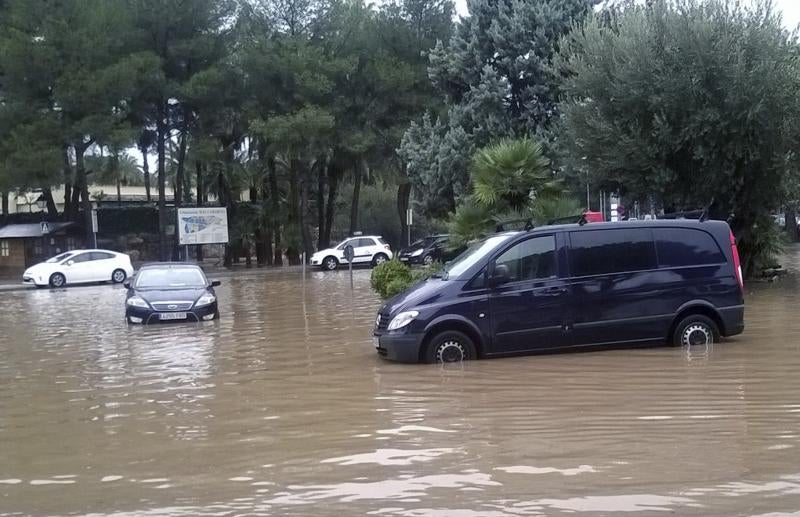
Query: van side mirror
{"points": [[500, 275], [126, 284], [216, 283]]}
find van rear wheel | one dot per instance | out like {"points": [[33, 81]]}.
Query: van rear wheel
{"points": [[695, 330], [450, 347]]}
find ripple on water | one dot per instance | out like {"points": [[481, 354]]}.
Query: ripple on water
{"points": [[283, 408]]}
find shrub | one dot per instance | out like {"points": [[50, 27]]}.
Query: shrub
{"points": [[394, 277], [392, 271], [397, 286]]}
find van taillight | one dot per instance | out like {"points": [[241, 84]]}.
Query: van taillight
{"points": [[386, 246], [736, 263]]}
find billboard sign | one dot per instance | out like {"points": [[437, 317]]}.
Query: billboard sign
{"points": [[202, 226]]}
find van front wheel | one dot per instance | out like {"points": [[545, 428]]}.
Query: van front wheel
{"points": [[450, 347], [695, 330]]}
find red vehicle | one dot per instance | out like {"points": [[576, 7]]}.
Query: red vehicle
{"points": [[592, 217]]}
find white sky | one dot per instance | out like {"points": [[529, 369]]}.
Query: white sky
{"points": [[790, 9]]}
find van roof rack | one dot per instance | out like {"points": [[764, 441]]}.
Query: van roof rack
{"points": [[699, 214], [686, 214], [570, 219], [502, 225]]}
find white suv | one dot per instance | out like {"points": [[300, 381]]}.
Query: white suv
{"points": [[367, 249]]}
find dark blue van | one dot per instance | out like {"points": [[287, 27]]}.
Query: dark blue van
{"points": [[559, 287]]}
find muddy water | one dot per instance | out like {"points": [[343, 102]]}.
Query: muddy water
{"points": [[283, 408]]}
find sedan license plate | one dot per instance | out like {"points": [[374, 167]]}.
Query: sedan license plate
{"points": [[376, 341], [172, 316]]}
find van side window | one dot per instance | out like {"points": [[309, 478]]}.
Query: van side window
{"points": [[686, 247], [531, 259], [600, 252]]}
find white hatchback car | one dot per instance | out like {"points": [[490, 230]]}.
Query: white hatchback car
{"points": [[367, 249], [80, 267]]}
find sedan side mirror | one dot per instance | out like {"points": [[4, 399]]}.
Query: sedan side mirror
{"points": [[500, 275], [216, 283], [70, 262]]}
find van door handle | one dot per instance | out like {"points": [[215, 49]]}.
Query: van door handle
{"points": [[554, 291]]}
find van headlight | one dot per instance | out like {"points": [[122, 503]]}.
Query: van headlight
{"points": [[402, 319], [417, 253], [137, 301], [206, 299]]}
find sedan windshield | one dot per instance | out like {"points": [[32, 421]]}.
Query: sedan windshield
{"points": [[423, 243], [59, 258], [474, 254], [170, 278]]}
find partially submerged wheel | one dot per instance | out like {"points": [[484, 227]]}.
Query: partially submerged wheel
{"points": [[450, 347], [330, 263], [57, 280], [379, 259], [695, 330]]}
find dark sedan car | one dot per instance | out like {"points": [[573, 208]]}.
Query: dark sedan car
{"points": [[434, 248], [170, 292]]}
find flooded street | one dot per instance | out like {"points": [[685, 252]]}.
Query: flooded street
{"points": [[282, 407]]}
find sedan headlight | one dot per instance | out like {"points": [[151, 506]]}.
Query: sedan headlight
{"points": [[206, 299], [137, 301], [417, 253], [402, 319]]}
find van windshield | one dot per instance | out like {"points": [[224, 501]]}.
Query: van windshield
{"points": [[474, 254]]}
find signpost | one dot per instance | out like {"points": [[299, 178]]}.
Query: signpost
{"points": [[94, 226], [202, 226], [409, 222], [349, 253]]}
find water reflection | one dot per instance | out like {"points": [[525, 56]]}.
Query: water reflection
{"points": [[283, 408]]}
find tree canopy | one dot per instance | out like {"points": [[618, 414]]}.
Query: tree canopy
{"points": [[685, 105]]}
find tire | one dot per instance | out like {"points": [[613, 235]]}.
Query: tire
{"points": [[330, 263], [694, 330], [118, 276], [427, 260], [449, 347], [379, 259], [57, 280]]}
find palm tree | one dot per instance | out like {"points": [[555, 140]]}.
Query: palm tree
{"points": [[510, 179], [510, 174]]}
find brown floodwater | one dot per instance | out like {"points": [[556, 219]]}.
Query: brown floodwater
{"points": [[282, 407]]}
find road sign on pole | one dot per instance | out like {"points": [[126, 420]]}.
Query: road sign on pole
{"points": [[349, 254], [94, 226], [409, 222]]}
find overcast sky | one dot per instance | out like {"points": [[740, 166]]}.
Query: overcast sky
{"points": [[790, 8], [791, 12]]}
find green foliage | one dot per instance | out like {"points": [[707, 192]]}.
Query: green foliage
{"points": [[511, 180], [496, 80], [471, 222], [548, 208], [761, 245], [687, 104], [510, 174], [394, 277], [390, 278]]}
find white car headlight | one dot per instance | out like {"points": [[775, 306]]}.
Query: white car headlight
{"points": [[137, 301], [402, 319], [417, 253], [206, 299]]}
